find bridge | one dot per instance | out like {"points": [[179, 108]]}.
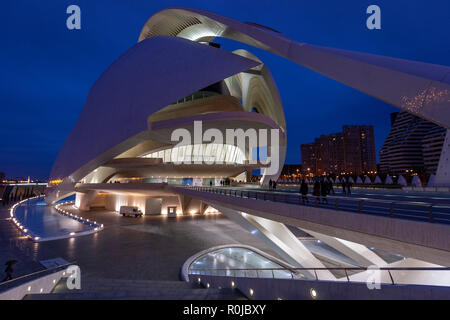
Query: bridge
{"points": [[388, 221]]}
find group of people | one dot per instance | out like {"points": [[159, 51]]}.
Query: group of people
{"points": [[272, 184], [321, 189]]}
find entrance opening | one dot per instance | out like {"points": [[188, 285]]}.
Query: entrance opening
{"points": [[172, 211]]}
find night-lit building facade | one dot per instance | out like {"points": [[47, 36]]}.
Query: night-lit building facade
{"points": [[132, 158], [413, 144], [350, 152], [167, 83]]}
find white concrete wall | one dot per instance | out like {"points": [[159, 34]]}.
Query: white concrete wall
{"points": [[153, 206], [170, 202], [272, 289], [114, 202], [41, 285]]}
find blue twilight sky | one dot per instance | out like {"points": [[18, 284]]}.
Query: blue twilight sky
{"points": [[47, 70]]}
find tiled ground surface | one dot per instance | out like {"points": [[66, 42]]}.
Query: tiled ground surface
{"points": [[15, 247], [148, 248]]}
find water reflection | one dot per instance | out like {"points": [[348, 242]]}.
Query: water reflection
{"points": [[44, 221]]}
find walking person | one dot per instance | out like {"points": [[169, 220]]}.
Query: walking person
{"points": [[349, 186], [330, 187], [9, 270], [304, 191], [270, 184], [344, 186], [316, 191], [324, 191]]}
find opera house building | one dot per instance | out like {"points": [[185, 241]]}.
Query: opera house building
{"points": [[121, 151]]}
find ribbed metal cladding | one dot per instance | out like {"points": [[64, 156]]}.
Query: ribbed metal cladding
{"points": [[412, 144], [178, 24]]}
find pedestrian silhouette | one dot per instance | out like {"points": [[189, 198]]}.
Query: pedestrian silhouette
{"points": [[324, 191], [9, 270], [330, 187], [316, 191], [304, 191]]}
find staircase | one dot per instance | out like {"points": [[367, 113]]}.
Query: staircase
{"points": [[118, 289]]}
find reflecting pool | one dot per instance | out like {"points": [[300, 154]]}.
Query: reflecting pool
{"points": [[44, 221]]}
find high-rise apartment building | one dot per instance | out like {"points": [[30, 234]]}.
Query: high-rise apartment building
{"points": [[351, 151]]}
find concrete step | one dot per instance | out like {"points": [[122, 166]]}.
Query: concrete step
{"points": [[155, 294], [93, 288], [105, 285]]}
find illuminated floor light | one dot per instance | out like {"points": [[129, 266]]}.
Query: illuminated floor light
{"points": [[313, 293]]}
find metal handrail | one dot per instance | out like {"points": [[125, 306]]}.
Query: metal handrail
{"points": [[339, 202], [293, 270], [331, 268], [35, 273]]}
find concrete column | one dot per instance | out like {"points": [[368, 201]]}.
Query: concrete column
{"points": [[357, 252], [84, 200]]}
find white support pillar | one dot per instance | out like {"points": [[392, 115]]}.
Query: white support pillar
{"points": [[279, 238], [355, 251], [83, 200]]}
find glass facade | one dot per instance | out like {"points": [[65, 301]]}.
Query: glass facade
{"points": [[203, 153]]}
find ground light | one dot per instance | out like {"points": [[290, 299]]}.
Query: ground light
{"points": [[313, 293]]}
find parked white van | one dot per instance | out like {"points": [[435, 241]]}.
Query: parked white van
{"points": [[130, 211]]}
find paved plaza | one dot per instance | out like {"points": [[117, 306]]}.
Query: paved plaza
{"points": [[147, 248]]}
